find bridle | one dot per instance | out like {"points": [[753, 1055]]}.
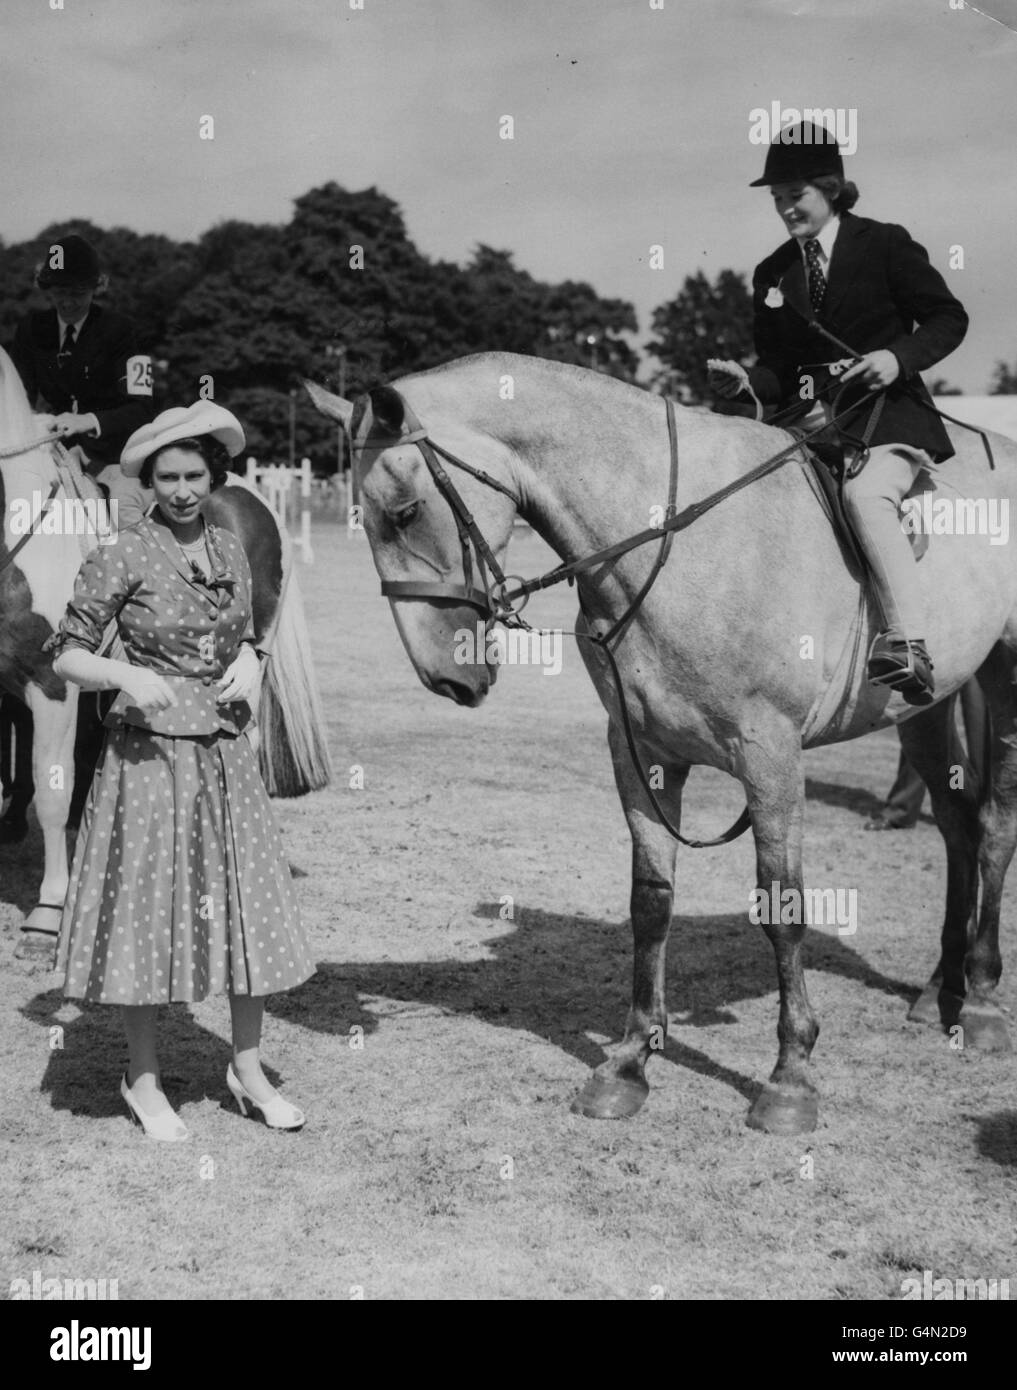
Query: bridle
{"points": [[492, 600], [498, 603]]}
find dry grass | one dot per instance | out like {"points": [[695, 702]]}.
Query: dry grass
{"points": [[440, 1158]]}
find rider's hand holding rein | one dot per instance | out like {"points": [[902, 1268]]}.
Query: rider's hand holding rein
{"points": [[874, 369], [69, 424]]}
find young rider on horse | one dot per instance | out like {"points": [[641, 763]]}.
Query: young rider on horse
{"points": [[873, 289]]}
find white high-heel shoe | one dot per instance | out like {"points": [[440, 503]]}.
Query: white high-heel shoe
{"points": [[277, 1113], [167, 1125]]}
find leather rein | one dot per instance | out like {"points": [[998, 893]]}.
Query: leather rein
{"points": [[497, 603]]}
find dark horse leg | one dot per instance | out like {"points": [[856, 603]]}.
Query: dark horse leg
{"points": [[774, 784], [87, 749], [6, 750], [18, 719], [977, 837], [618, 1087]]}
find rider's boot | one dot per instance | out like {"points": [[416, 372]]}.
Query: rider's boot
{"points": [[903, 665]]}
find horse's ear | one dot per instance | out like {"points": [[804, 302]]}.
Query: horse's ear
{"points": [[328, 404], [387, 407]]}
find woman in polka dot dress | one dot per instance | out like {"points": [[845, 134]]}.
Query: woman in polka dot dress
{"points": [[179, 887]]}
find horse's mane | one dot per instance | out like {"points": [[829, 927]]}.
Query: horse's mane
{"points": [[16, 419]]}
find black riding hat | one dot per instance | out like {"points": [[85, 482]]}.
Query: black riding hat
{"points": [[801, 151], [69, 260]]}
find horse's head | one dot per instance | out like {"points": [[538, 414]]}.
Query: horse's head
{"points": [[429, 524]]}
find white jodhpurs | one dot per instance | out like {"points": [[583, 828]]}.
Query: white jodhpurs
{"points": [[873, 501]]}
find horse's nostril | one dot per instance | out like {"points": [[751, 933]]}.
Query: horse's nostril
{"points": [[459, 692]]}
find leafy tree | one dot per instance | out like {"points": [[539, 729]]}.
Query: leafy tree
{"points": [[941, 387], [567, 322], [702, 321], [147, 276], [340, 294], [1004, 380]]}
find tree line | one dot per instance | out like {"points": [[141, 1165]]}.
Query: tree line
{"points": [[255, 307]]}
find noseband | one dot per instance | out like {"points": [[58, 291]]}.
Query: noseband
{"points": [[493, 600]]}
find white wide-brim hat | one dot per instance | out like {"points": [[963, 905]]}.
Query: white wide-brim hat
{"points": [[182, 422]]}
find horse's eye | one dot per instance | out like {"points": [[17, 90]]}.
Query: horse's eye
{"points": [[405, 516]]}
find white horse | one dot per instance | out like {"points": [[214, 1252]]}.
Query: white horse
{"points": [[37, 573], [747, 647]]}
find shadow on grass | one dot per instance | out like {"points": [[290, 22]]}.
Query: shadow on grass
{"points": [[555, 976], [565, 977], [858, 800], [997, 1136], [88, 1056]]}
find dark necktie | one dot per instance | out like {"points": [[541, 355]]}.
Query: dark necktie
{"points": [[67, 346], [817, 280]]}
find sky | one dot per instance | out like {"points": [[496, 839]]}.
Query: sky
{"points": [[631, 124]]}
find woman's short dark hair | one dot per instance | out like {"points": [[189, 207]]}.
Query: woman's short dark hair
{"points": [[211, 450], [840, 193]]}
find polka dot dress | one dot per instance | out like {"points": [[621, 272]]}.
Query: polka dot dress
{"points": [[179, 885]]}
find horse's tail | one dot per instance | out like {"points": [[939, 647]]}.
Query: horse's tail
{"points": [[292, 753]]}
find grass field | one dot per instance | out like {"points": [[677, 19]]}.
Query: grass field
{"points": [[468, 909]]}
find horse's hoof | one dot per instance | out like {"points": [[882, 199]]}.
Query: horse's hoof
{"points": [[937, 1006], [12, 832], [610, 1097], [984, 1028], [778, 1111]]}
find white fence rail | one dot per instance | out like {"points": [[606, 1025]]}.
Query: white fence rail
{"points": [[288, 492]]}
